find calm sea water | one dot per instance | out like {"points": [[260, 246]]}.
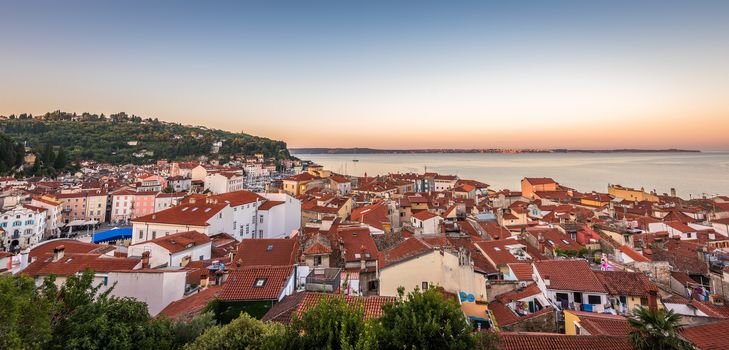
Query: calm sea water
{"points": [[689, 173]]}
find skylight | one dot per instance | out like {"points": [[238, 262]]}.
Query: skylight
{"points": [[497, 249], [260, 282], [269, 248]]}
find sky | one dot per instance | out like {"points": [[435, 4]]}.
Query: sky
{"points": [[390, 74]]}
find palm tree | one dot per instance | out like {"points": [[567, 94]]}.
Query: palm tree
{"points": [[656, 330]]}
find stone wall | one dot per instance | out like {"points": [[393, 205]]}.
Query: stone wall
{"points": [[658, 271]]}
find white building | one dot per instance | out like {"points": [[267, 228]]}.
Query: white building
{"points": [[167, 200], [224, 182], [173, 250], [24, 226], [201, 215], [279, 216], [156, 288], [426, 223], [54, 208]]}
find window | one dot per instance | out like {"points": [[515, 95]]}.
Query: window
{"points": [[425, 285], [260, 233], [141, 234], [235, 225], [154, 234], [202, 257], [317, 260], [644, 301], [578, 297], [594, 299], [260, 282], [261, 219]]}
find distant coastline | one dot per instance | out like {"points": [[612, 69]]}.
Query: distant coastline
{"points": [[323, 150]]}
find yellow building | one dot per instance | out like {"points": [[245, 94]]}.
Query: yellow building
{"points": [[631, 194], [590, 323]]}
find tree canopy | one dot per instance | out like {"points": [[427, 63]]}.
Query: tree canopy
{"points": [[121, 138]]}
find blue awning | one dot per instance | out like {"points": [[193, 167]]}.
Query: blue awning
{"points": [[114, 234]]}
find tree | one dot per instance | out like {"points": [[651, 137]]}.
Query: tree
{"points": [[83, 318], [245, 332], [331, 324], [184, 332], [656, 329], [25, 318], [60, 162], [424, 320]]}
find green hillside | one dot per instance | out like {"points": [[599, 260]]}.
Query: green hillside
{"points": [[118, 137]]}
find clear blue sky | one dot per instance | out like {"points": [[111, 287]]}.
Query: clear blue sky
{"points": [[384, 74]]}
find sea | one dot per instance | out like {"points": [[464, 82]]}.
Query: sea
{"points": [[693, 175]]}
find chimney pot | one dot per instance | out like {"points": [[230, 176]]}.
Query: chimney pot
{"points": [[58, 252]]}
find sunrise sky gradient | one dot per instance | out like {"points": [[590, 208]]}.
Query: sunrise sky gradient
{"points": [[417, 74]]}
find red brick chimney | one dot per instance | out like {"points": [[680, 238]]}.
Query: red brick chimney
{"points": [[653, 300]]}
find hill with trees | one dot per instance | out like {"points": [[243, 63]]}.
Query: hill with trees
{"points": [[121, 138], [11, 154]]}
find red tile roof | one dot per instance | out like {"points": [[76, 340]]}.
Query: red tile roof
{"points": [[236, 198], [241, 283], [70, 246], [712, 336], [633, 254], [301, 177], [603, 324], [195, 214], [71, 264], [282, 252], [180, 241], [522, 271], [409, 248], [541, 341], [539, 180], [424, 215], [574, 275], [191, 306], [371, 305], [269, 204], [358, 241], [626, 283]]}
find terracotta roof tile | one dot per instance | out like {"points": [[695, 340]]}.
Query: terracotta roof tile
{"points": [[540, 341], [626, 283], [712, 336], [180, 241], [242, 283], [573, 275], [195, 214], [274, 252], [191, 306]]}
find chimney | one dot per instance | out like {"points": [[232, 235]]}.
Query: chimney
{"points": [[58, 252], [546, 280], [653, 300], [145, 259], [363, 263], [673, 192], [24, 258], [204, 278]]}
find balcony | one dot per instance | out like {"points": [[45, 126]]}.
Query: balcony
{"points": [[325, 280]]}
